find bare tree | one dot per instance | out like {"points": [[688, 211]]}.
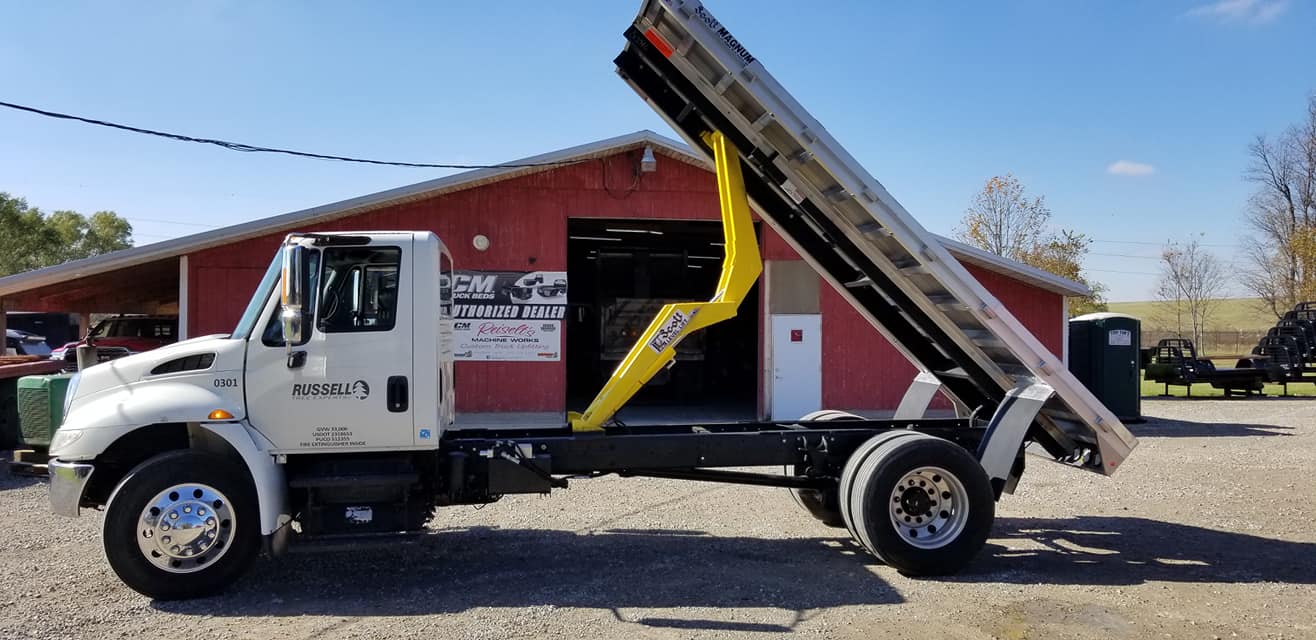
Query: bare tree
{"points": [[1002, 219], [1282, 213], [1190, 285]]}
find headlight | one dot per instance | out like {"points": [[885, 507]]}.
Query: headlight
{"points": [[63, 439], [71, 391]]}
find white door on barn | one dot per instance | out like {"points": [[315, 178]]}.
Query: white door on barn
{"points": [[796, 365]]}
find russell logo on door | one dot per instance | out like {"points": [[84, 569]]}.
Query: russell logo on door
{"points": [[331, 390]]}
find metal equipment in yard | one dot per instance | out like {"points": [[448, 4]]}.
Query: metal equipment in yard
{"points": [[41, 407], [1287, 353], [1174, 361]]}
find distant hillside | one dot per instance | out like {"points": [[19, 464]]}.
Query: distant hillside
{"points": [[1232, 314]]}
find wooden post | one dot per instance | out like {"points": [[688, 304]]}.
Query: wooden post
{"points": [[84, 324]]}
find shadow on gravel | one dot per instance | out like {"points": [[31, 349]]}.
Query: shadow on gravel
{"points": [[18, 481], [1167, 428], [1094, 550], [456, 570]]}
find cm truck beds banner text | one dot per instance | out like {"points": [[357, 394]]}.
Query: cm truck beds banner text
{"points": [[509, 315]]}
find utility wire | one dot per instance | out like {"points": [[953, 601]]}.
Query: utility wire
{"points": [[1124, 255], [1161, 244], [186, 224], [1130, 273], [249, 148]]}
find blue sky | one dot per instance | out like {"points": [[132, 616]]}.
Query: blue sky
{"points": [[933, 98]]}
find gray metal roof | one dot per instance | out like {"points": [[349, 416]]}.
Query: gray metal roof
{"points": [[662, 145], [1038, 277]]}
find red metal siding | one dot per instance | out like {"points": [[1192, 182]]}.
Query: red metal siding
{"points": [[525, 219], [861, 370], [1042, 312]]}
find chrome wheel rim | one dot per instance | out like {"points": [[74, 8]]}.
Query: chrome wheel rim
{"points": [[186, 528], [929, 507]]}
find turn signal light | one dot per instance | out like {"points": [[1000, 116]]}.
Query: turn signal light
{"points": [[220, 414]]}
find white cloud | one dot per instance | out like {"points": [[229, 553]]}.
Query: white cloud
{"points": [[1250, 11], [1130, 168]]}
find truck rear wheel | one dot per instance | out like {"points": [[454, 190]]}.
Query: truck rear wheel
{"points": [[823, 504], [854, 462], [922, 505], [182, 525]]}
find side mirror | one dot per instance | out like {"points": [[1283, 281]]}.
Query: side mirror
{"points": [[294, 293]]}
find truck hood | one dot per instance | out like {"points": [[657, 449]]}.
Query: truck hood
{"points": [[137, 374]]}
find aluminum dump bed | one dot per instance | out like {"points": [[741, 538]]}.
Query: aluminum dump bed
{"points": [[700, 78]]}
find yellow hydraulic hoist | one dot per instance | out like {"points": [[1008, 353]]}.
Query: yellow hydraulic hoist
{"points": [[656, 348]]}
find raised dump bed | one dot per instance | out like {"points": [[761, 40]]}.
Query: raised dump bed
{"points": [[696, 74]]}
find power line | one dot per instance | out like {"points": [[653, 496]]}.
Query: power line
{"points": [[249, 148], [1161, 244], [187, 224], [1130, 273], [1124, 255]]}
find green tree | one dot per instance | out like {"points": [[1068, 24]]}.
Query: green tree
{"points": [[1002, 219], [30, 239]]}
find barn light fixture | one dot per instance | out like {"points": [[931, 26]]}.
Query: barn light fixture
{"points": [[648, 163], [649, 231], [480, 242]]}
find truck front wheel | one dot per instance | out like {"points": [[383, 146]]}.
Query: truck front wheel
{"points": [[182, 525]]}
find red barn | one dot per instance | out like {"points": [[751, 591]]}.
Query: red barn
{"points": [[614, 236]]}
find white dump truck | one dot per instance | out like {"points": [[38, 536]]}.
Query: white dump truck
{"points": [[328, 411]]}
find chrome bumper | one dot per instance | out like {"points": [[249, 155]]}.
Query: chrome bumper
{"points": [[67, 480]]}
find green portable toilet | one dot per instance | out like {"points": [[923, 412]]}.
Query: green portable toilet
{"points": [[41, 407], [1104, 353]]}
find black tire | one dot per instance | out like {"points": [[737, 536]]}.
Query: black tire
{"points": [[823, 504], [966, 511], [145, 484], [853, 463]]}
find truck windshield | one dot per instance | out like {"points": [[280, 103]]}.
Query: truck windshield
{"points": [[248, 319]]}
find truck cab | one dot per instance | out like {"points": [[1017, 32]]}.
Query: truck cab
{"points": [[288, 389]]}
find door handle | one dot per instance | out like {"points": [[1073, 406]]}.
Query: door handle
{"points": [[397, 394]]}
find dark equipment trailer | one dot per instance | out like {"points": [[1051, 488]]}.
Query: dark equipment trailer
{"points": [[1174, 361], [1287, 353]]}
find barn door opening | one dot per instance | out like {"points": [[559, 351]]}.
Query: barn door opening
{"points": [[621, 272]]}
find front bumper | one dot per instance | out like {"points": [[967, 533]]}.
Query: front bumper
{"points": [[67, 480]]}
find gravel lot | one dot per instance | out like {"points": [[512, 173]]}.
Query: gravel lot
{"points": [[1206, 532]]}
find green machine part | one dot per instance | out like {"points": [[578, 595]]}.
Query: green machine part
{"points": [[41, 407]]}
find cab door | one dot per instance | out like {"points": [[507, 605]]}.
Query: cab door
{"points": [[347, 386]]}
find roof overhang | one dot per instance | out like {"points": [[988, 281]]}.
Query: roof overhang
{"points": [[1032, 275], [661, 145]]}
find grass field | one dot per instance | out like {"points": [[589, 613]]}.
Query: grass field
{"points": [[1232, 314]]}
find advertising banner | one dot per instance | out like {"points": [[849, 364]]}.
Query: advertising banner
{"points": [[509, 315]]}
